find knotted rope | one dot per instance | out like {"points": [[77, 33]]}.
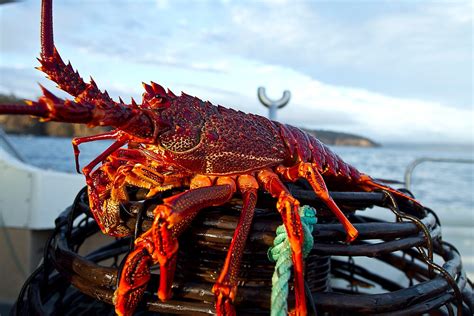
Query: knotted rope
{"points": [[281, 254]]}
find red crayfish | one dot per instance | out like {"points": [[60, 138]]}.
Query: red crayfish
{"points": [[174, 141]]}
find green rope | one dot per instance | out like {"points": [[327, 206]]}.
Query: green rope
{"points": [[281, 254]]}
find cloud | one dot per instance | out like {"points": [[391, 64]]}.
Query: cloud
{"points": [[162, 4], [421, 50]]}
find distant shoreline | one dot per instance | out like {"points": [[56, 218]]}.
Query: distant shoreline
{"points": [[342, 139]]}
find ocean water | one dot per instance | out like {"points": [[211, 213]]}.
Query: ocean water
{"points": [[446, 188]]}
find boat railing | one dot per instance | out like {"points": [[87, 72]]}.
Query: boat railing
{"points": [[411, 167], [8, 146]]}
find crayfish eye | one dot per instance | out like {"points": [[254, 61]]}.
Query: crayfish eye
{"points": [[158, 101]]}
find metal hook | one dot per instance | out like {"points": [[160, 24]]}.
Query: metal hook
{"points": [[273, 105]]}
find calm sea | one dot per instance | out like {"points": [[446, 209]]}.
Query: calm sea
{"points": [[447, 188]]}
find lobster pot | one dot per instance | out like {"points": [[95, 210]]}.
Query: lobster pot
{"points": [[398, 267], [202, 259]]}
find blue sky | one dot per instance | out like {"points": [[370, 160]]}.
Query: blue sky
{"points": [[391, 70]]}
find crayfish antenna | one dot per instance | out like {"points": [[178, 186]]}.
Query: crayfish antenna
{"points": [[56, 70], [47, 39], [51, 108], [40, 109], [32, 108], [90, 106]]}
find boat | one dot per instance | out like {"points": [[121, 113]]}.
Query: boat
{"points": [[30, 200]]}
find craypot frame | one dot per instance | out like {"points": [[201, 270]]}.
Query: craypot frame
{"points": [[396, 245]]}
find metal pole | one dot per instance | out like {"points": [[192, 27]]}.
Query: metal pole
{"points": [[273, 105], [416, 162], [8, 146]]}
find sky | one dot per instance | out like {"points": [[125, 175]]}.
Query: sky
{"points": [[394, 71]]}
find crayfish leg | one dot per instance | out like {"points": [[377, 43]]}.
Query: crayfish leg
{"points": [[225, 289], [80, 140], [369, 184], [172, 218], [106, 221], [159, 244], [134, 277], [288, 207], [307, 171]]}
